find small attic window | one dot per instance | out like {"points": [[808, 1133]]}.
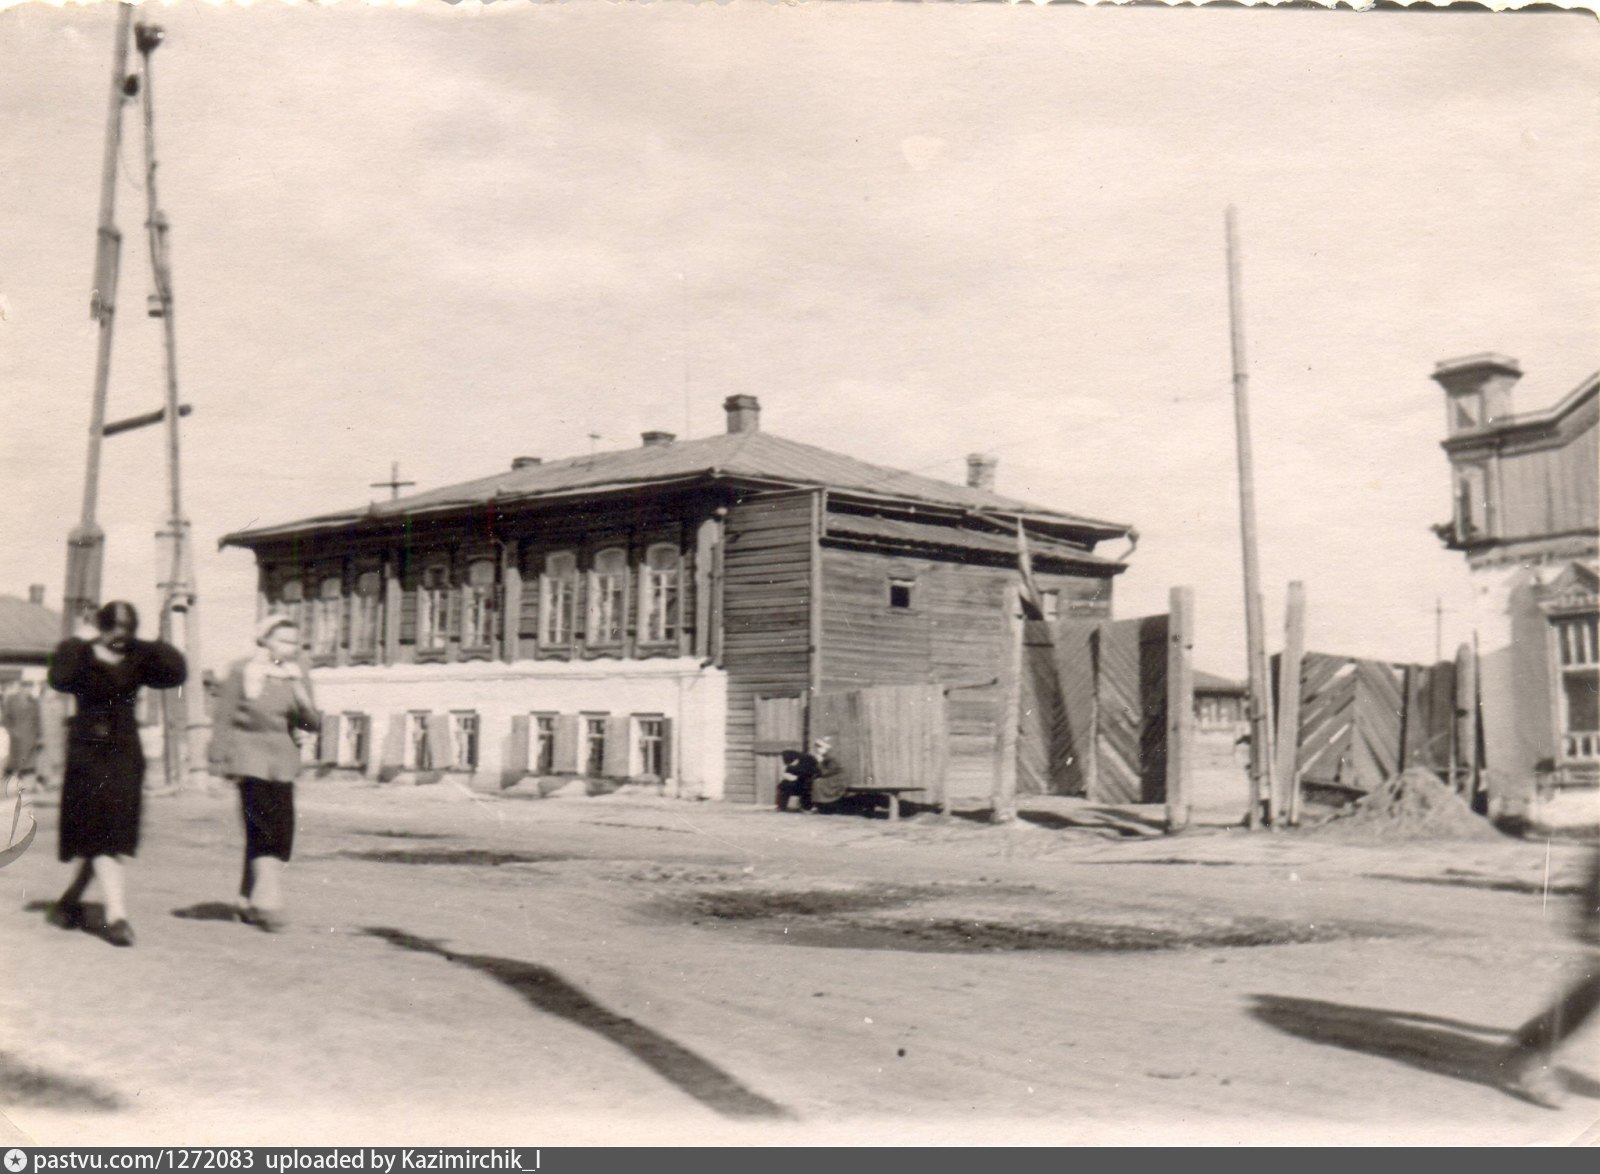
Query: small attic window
{"points": [[900, 592]]}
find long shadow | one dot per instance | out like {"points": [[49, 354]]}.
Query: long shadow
{"points": [[208, 911], [23, 1084], [1445, 1047], [546, 990]]}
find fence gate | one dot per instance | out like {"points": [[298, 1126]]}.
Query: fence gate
{"points": [[1364, 721], [780, 726], [1110, 742]]}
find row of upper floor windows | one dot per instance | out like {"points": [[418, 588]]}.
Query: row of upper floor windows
{"points": [[463, 601]]}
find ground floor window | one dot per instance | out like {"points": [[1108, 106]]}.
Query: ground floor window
{"points": [[594, 745], [1577, 648], [355, 740], [464, 740], [418, 753], [542, 744], [652, 741]]}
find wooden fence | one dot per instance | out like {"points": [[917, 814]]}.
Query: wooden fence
{"points": [[887, 735], [1365, 721]]}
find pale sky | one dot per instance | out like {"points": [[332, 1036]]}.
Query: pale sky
{"points": [[451, 236]]}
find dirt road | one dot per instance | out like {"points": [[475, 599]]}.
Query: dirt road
{"points": [[481, 970]]}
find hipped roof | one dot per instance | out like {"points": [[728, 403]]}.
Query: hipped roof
{"points": [[753, 457]]}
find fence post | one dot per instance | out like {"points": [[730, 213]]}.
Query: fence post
{"points": [[1465, 745], [1288, 748], [1180, 707], [1004, 795]]}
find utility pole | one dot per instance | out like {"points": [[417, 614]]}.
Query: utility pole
{"points": [[86, 543], [1260, 707], [178, 597]]}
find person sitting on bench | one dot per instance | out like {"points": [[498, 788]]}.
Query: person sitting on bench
{"points": [[799, 772]]}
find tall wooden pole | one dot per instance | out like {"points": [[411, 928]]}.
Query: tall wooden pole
{"points": [[178, 597], [1294, 651], [1260, 724], [1004, 794], [86, 543], [1180, 707]]}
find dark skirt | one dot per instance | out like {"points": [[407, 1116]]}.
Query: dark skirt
{"points": [[268, 809], [102, 800]]}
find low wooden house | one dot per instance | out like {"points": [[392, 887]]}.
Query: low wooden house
{"points": [[1221, 705], [625, 615], [28, 634]]}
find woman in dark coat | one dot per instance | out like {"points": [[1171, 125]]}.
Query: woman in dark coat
{"points": [[102, 793], [264, 706]]}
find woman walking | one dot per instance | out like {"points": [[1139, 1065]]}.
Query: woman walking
{"points": [[263, 702], [103, 789]]}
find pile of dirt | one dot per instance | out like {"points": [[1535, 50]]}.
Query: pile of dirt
{"points": [[1414, 805]]}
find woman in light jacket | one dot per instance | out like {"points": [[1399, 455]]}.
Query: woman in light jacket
{"points": [[264, 701]]}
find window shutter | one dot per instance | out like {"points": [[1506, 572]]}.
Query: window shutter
{"points": [[667, 769], [515, 758], [328, 740], [441, 748], [391, 760], [567, 749], [618, 745]]}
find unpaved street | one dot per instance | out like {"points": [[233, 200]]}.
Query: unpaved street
{"points": [[472, 969]]}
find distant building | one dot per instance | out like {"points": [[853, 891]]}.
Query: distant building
{"points": [[663, 613], [29, 632], [1220, 705], [1526, 498]]}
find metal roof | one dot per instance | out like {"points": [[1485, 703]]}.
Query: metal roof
{"points": [[733, 456], [27, 630]]}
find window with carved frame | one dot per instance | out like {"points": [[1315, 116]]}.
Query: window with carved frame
{"points": [[327, 615], [291, 602], [558, 595], [366, 614], [478, 604], [662, 592], [433, 609], [608, 597]]}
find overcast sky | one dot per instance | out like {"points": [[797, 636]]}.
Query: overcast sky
{"points": [[450, 236]]}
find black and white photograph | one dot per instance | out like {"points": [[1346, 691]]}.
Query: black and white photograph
{"points": [[801, 574]]}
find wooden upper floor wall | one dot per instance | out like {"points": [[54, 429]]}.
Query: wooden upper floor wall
{"points": [[1527, 478]]}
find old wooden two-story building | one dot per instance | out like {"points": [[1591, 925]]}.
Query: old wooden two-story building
{"points": [[618, 615], [1526, 497]]}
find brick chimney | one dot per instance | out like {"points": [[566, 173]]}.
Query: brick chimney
{"points": [[980, 470], [36, 594], [526, 462], [654, 439], [1477, 390], [744, 413]]}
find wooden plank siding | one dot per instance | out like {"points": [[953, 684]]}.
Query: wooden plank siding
{"points": [[952, 634], [766, 602], [1549, 490]]}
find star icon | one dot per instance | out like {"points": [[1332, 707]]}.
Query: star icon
{"points": [[16, 1161]]}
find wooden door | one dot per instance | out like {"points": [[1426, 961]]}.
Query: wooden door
{"points": [[780, 726]]}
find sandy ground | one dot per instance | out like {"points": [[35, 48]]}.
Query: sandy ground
{"points": [[469, 969]]}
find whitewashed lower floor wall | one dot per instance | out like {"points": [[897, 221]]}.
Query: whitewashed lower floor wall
{"points": [[691, 696]]}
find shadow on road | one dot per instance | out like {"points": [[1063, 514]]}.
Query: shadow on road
{"points": [[1445, 1047], [208, 911], [22, 1084], [546, 990]]}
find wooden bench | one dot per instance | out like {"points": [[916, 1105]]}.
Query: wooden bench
{"points": [[893, 792]]}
